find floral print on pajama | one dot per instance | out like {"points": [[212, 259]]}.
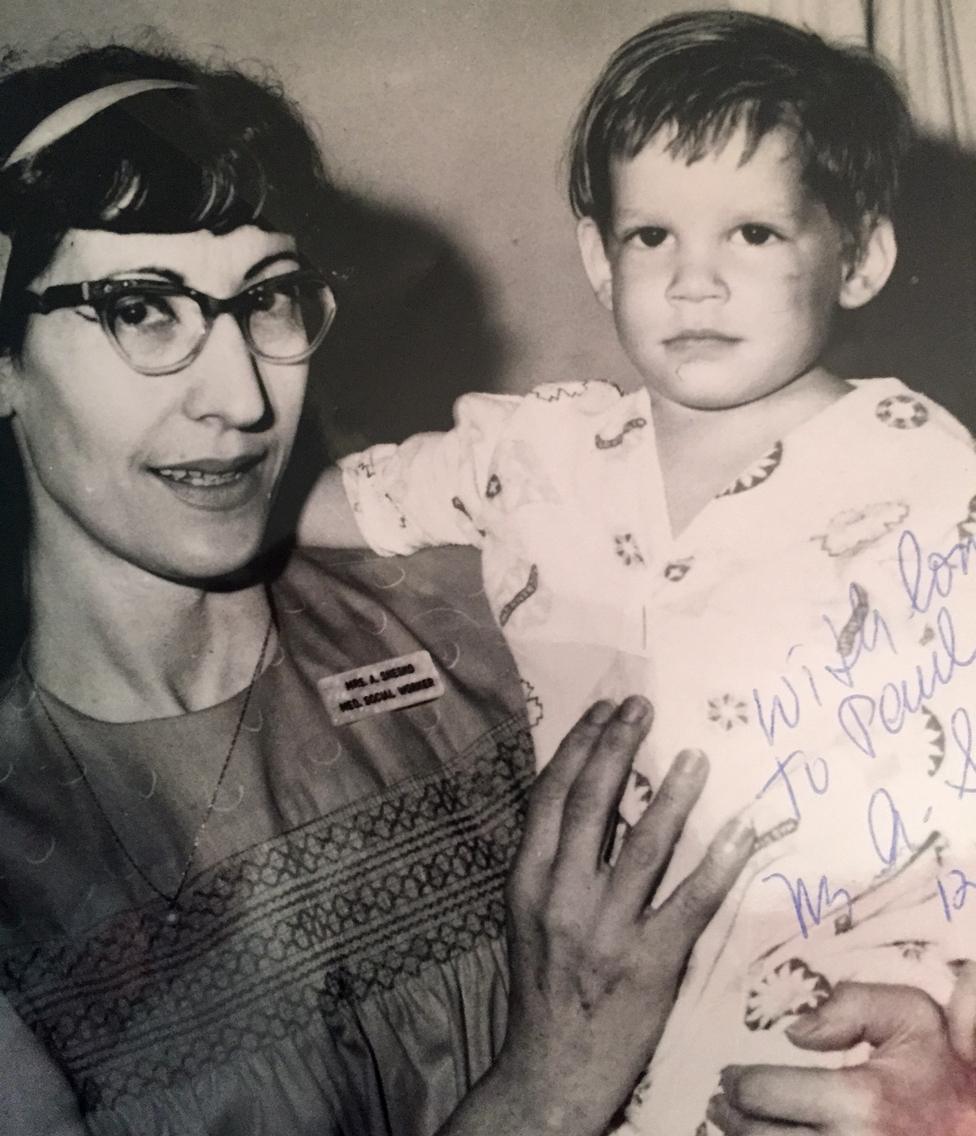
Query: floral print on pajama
{"points": [[811, 630]]}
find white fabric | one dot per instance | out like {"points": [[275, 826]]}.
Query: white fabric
{"points": [[928, 43], [562, 492], [844, 20], [931, 45]]}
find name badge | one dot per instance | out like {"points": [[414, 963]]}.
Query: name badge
{"points": [[392, 684]]}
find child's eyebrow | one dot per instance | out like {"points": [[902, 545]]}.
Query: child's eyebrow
{"points": [[782, 212], [628, 216]]}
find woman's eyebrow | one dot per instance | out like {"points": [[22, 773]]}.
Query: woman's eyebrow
{"points": [[147, 270], [284, 254]]}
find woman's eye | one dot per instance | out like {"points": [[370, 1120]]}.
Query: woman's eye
{"points": [[139, 311], [262, 299], [277, 298], [650, 236], [277, 302], [758, 235]]}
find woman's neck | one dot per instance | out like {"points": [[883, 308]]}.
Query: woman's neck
{"points": [[121, 644]]}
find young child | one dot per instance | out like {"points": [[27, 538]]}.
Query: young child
{"points": [[775, 556]]}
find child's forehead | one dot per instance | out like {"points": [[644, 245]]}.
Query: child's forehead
{"points": [[771, 165]]}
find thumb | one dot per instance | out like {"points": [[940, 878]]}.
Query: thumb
{"points": [[871, 1012]]}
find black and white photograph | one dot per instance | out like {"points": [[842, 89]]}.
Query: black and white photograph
{"points": [[488, 568]]}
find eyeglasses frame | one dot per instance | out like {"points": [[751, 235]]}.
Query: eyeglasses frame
{"points": [[96, 294]]}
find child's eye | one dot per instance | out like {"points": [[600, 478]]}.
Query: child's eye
{"points": [[650, 236], [758, 235]]}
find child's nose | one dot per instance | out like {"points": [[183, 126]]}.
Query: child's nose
{"points": [[697, 276]]}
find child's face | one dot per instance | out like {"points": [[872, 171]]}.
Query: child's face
{"points": [[722, 275]]}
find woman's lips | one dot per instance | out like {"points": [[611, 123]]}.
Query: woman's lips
{"points": [[214, 483]]}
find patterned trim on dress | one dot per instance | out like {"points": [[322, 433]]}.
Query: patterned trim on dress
{"points": [[848, 635], [273, 939], [967, 527], [760, 471], [618, 439], [553, 392], [791, 989], [523, 594], [902, 412], [852, 530]]}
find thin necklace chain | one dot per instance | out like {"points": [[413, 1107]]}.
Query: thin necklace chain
{"points": [[171, 899]]}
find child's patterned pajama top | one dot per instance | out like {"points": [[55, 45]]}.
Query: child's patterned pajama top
{"points": [[812, 630]]}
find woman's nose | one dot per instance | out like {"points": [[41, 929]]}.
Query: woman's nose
{"points": [[225, 380], [697, 276]]}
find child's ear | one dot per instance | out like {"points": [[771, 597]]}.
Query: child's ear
{"points": [[595, 261], [869, 273]]}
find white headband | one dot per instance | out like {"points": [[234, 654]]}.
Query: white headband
{"points": [[79, 111], [70, 117]]}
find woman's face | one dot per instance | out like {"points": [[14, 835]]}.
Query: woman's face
{"points": [[173, 473]]}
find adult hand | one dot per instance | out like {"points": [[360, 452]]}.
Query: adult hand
{"points": [[595, 967], [914, 1084]]}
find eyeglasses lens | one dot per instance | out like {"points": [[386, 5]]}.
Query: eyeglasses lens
{"points": [[155, 331], [286, 320], [283, 321]]}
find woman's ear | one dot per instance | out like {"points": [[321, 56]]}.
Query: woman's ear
{"points": [[595, 260], [874, 262]]}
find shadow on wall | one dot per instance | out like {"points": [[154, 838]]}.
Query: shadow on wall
{"points": [[413, 333], [922, 328]]}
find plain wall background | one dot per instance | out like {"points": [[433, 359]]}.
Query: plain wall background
{"points": [[450, 117]]}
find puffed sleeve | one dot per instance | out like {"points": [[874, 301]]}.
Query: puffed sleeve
{"points": [[430, 489]]}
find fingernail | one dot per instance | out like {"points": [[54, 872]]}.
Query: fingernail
{"points": [[736, 834], [600, 713], [728, 1077], [634, 709], [804, 1025], [690, 761]]}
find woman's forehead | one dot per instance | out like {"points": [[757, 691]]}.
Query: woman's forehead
{"points": [[207, 261]]}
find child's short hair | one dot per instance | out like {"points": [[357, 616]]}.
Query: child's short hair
{"points": [[702, 74]]}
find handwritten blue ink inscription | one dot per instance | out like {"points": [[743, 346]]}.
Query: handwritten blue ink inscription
{"points": [[812, 909]]}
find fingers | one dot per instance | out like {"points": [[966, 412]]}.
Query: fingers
{"points": [[862, 1011], [601, 745], [544, 817], [696, 899], [649, 844], [593, 797], [785, 1094], [961, 1013], [735, 1123]]}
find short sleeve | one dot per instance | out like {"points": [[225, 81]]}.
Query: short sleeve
{"points": [[432, 488]]}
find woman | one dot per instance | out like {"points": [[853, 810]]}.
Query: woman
{"points": [[225, 910], [222, 912]]}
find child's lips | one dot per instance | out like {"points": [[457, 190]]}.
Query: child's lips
{"points": [[703, 335], [706, 342]]}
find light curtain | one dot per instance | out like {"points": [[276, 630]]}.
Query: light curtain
{"points": [[930, 43]]}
